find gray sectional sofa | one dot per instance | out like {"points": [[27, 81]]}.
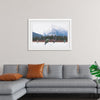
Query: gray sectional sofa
{"points": [[57, 79]]}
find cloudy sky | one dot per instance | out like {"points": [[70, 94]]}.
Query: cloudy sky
{"points": [[45, 26]]}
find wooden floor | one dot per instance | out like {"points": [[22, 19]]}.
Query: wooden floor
{"points": [[59, 97]]}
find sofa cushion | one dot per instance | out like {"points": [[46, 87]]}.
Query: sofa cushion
{"points": [[84, 71], [10, 77], [45, 71], [61, 83], [10, 87], [35, 71], [15, 96], [22, 69], [70, 71], [62, 90], [10, 68], [54, 71]]}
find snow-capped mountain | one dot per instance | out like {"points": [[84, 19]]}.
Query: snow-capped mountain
{"points": [[58, 31]]}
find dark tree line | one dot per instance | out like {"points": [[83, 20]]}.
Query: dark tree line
{"points": [[56, 38]]}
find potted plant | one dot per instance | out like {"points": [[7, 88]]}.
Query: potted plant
{"points": [[94, 70]]}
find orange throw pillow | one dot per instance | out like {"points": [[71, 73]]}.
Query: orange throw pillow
{"points": [[10, 77], [35, 71]]}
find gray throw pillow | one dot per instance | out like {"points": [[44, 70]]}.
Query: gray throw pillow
{"points": [[70, 71], [54, 71], [10, 68]]}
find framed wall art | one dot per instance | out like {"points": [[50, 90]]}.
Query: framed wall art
{"points": [[49, 34]]}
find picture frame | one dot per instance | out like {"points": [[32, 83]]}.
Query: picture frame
{"points": [[49, 34]]}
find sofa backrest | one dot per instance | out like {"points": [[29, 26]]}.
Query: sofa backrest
{"points": [[49, 71], [10, 68], [76, 71], [52, 71], [23, 69]]}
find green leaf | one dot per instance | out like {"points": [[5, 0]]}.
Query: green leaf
{"points": [[93, 67], [91, 70], [95, 72], [98, 75]]}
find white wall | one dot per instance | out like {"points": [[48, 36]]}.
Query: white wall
{"points": [[85, 15]]}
